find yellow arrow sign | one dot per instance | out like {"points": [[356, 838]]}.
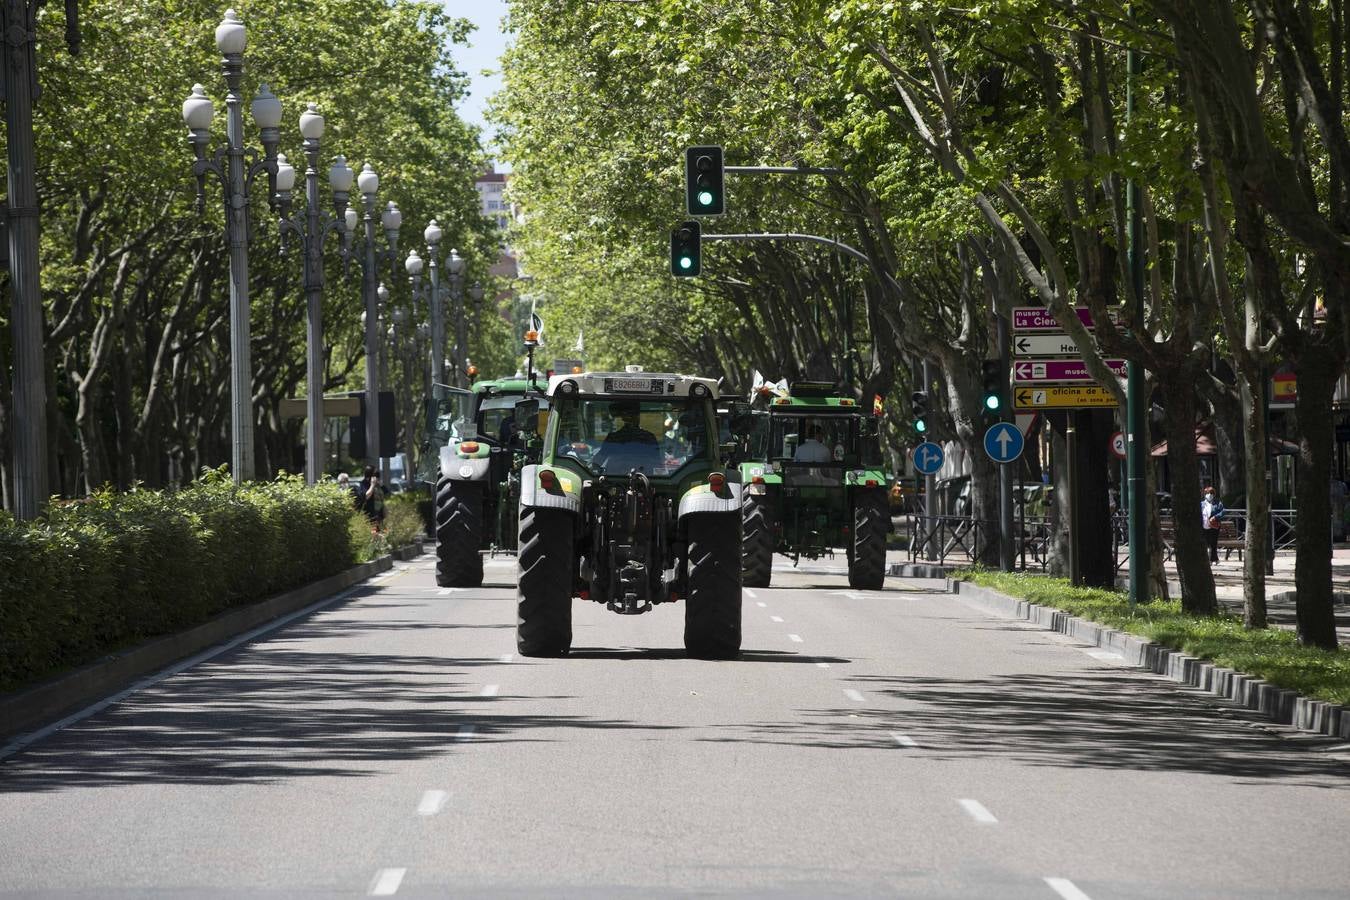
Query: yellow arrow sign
{"points": [[1062, 396]]}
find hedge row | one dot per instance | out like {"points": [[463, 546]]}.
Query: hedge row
{"points": [[99, 574]]}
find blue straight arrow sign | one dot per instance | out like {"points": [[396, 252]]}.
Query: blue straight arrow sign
{"points": [[1003, 442]]}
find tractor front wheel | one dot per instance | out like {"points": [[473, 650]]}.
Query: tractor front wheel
{"points": [[459, 533], [867, 561], [712, 611], [544, 583]]}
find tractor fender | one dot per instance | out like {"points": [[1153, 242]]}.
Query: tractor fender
{"points": [[458, 467], [567, 494], [701, 499]]}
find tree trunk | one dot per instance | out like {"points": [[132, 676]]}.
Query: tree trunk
{"points": [[1192, 556], [1318, 368], [1257, 455]]}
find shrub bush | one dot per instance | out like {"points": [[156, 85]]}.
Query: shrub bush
{"points": [[402, 521], [94, 575]]}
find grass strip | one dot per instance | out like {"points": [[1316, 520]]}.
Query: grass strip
{"points": [[1271, 653]]}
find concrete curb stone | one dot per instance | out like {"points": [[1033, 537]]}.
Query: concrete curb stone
{"points": [[47, 701], [1281, 705], [403, 554]]}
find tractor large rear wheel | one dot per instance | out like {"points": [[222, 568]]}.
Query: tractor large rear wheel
{"points": [[867, 561], [544, 583], [712, 611], [459, 533], [757, 541]]}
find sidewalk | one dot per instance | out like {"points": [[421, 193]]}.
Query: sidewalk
{"points": [[1228, 586]]}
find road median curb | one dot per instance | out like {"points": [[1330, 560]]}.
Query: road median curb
{"points": [[45, 702], [1281, 705]]}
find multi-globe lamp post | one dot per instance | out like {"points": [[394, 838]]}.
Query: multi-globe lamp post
{"points": [[390, 219], [312, 225], [236, 168], [454, 265], [432, 234]]}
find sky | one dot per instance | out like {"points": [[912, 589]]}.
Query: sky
{"points": [[486, 45]]}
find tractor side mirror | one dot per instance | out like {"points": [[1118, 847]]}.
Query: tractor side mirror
{"points": [[527, 416]]}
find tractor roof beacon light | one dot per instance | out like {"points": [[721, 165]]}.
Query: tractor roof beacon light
{"points": [[686, 250], [704, 181]]}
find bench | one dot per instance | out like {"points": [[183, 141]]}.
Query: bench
{"points": [[1230, 541]]}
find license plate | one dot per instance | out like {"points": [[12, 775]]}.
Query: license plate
{"points": [[633, 385]]}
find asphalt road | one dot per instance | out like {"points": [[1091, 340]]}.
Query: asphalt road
{"points": [[897, 742]]}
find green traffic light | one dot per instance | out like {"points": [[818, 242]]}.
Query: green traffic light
{"points": [[705, 198], [992, 401], [686, 262], [920, 426]]}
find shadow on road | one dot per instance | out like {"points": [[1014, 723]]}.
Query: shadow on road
{"points": [[651, 654], [1099, 722]]}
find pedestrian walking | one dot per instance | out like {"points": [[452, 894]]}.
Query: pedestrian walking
{"points": [[344, 481], [1211, 512]]}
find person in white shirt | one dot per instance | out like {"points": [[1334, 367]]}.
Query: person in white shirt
{"points": [[1211, 511], [813, 449]]}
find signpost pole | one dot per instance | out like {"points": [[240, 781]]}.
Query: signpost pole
{"points": [[1071, 447], [929, 485], [1005, 494], [1136, 401]]}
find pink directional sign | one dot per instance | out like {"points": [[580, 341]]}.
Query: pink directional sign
{"points": [[1035, 318], [1050, 370]]}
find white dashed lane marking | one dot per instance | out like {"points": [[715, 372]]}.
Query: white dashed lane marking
{"points": [[855, 696], [903, 740], [752, 595], [761, 604], [978, 812], [507, 657], [432, 803], [1066, 889], [386, 882], [775, 618], [489, 691], [465, 733], [795, 638]]}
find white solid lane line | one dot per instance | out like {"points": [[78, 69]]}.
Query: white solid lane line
{"points": [[855, 696], [752, 595], [465, 733], [386, 882], [795, 638], [775, 618], [903, 740], [1066, 889], [489, 691], [432, 802], [977, 811]]}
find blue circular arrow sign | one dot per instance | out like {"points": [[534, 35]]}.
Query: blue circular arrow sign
{"points": [[1003, 442], [928, 458]]}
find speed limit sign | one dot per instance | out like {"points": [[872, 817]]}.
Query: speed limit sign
{"points": [[1118, 444]]}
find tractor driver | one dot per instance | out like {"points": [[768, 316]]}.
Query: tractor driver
{"points": [[813, 449], [630, 445]]}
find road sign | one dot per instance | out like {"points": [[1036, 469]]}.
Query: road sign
{"points": [[1033, 370], [1003, 442], [928, 458], [1038, 318], [1063, 396], [1045, 345], [1118, 444]]}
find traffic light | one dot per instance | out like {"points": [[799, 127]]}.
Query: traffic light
{"points": [[704, 193], [918, 402], [685, 248], [995, 380]]}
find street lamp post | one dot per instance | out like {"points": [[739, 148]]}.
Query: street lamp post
{"points": [[476, 297], [387, 384], [312, 225], [433, 234], [390, 218], [454, 265], [236, 167]]}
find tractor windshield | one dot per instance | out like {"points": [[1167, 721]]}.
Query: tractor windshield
{"points": [[616, 435], [822, 439]]}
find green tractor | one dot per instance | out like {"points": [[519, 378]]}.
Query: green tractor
{"points": [[485, 437], [630, 507], [811, 464]]}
